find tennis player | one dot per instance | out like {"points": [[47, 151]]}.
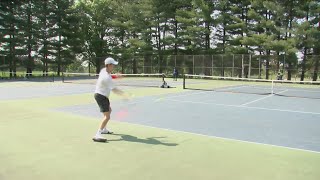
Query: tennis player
{"points": [[104, 86], [164, 83]]}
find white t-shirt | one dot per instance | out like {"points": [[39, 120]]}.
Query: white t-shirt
{"points": [[104, 83]]}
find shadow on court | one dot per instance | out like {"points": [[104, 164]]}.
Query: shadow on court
{"points": [[150, 140]]}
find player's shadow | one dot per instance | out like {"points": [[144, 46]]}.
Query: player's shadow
{"points": [[150, 140]]}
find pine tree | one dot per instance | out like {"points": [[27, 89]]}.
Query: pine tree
{"points": [[96, 26], [224, 22], [44, 33], [28, 27], [12, 39], [237, 27], [315, 23], [192, 31], [290, 11], [306, 31], [259, 31]]}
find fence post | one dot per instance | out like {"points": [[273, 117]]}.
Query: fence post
{"points": [[159, 65], [203, 66], [193, 65], [152, 58], [259, 67], [212, 65], [284, 64], [242, 66], [232, 72], [184, 81], [222, 66], [175, 61], [249, 73]]}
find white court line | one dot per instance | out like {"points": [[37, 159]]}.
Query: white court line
{"points": [[161, 98], [180, 95], [247, 107], [262, 98], [256, 100], [232, 87], [223, 138]]}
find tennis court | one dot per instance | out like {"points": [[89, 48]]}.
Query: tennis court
{"points": [[161, 133], [269, 119]]}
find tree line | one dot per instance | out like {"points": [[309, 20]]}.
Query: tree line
{"points": [[59, 33]]}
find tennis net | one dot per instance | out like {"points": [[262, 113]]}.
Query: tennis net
{"points": [[303, 89], [143, 80]]}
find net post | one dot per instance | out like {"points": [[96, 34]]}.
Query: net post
{"points": [[184, 81], [272, 87]]}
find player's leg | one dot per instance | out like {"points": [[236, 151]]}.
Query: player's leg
{"points": [[104, 106], [98, 137], [106, 118]]}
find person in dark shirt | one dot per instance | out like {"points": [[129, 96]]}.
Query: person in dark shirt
{"points": [[279, 75], [175, 74]]}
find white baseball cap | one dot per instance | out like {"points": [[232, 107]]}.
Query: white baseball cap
{"points": [[110, 60]]}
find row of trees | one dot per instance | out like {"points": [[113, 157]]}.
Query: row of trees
{"points": [[58, 31], [44, 30]]}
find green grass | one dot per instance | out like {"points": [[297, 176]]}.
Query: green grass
{"points": [[40, 143]]}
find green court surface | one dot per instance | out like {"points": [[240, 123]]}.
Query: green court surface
{"points": [[39, 143]]}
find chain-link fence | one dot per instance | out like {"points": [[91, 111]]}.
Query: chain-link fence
{"points": [[233, 65], [23, 66]]}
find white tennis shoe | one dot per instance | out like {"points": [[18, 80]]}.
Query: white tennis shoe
{"points": [[99, 138], [106, 131]]}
